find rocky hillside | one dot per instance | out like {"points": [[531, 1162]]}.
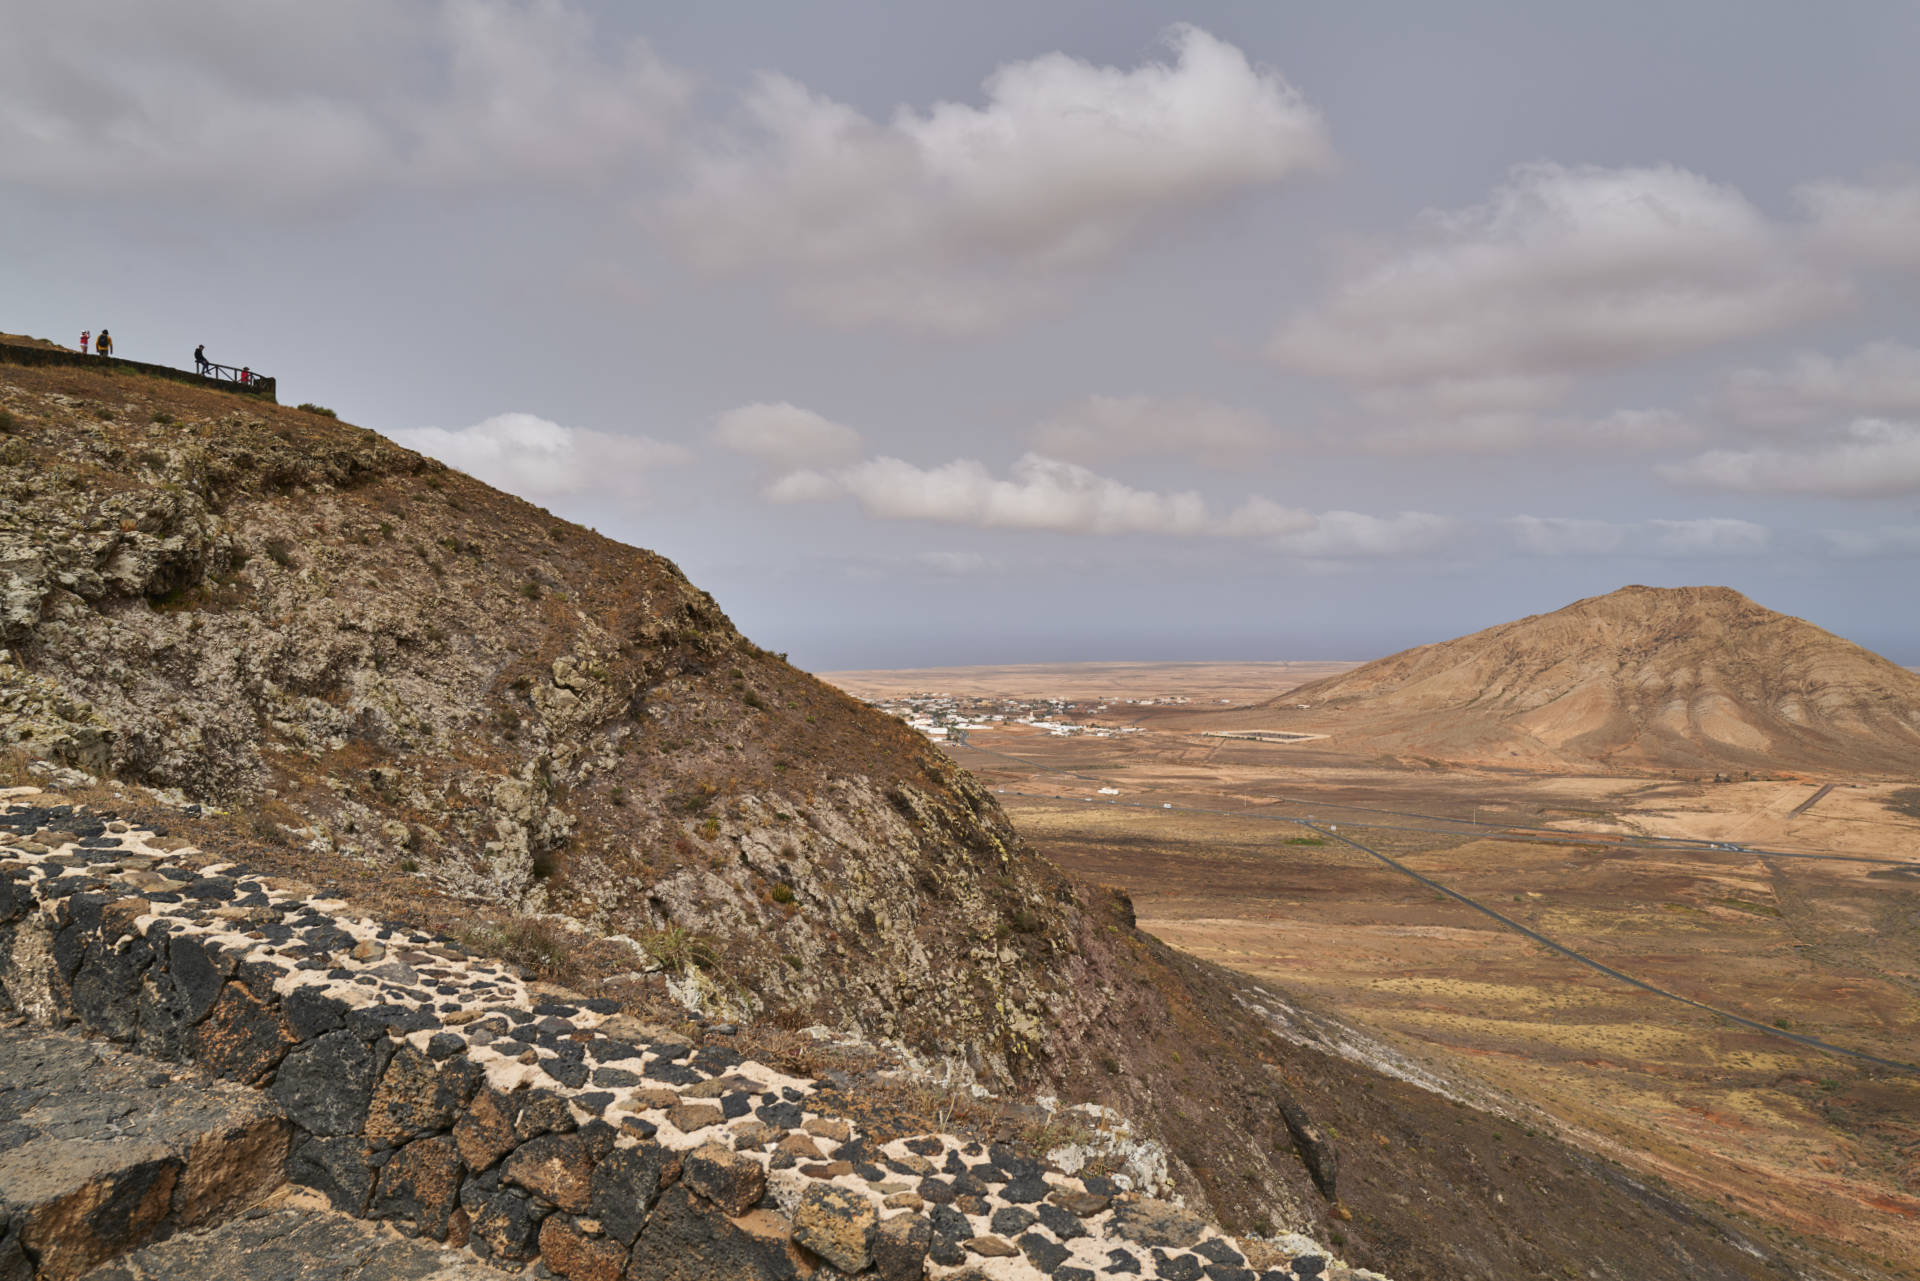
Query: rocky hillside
{"points": [[1645, 677], [459, 711]]}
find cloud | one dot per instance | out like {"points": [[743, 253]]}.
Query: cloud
{"points": [[956, 564], [1886, 540], [1487, 433], [1875, 224], [536, 458], [1562, 272], [1881, 378], [1337, 535], [784, 433], [1564, 536], [958, 217], [1871, 457], [1097, 428], [292, 106], [1042, 493], [1061, 497], [1567, 536], [1712, 536]]}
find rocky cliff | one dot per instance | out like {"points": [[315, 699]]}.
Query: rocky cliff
{"points": [[337, 661]]}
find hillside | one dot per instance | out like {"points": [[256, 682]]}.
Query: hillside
{"points": [[457, 711], [1641, 678]]}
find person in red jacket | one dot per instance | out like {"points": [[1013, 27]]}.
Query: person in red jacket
{"points": [[86, 336]]}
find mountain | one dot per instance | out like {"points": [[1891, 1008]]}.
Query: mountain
{"points": [[342, 663], [1642, 678]]}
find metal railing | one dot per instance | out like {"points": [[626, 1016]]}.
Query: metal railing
{"points": [[233, 374]]}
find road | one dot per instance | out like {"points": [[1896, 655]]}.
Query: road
{"points": [[1331, 831]]}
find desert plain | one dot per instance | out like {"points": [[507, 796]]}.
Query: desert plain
{"points": [[1770, 896]]}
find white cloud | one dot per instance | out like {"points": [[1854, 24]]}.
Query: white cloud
{"points": [[784, 433], [536, 458], [956, 218], [1870, 457], [1042, 493], [1880, 378], [1875, 224], [296, 105], [1097, 428], [1338, 535], [1048, 494], [1563, 271]]}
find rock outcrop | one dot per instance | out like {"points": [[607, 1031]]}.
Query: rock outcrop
{"points": [[409, 1082]]}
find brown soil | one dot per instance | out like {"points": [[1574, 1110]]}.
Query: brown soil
{"points": [[1643, 678]]}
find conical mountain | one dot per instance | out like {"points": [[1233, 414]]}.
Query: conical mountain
{"points": [[1644, 677]]}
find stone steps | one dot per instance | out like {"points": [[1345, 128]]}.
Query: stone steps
{"points": [[295, 1236], [103, 1151], [103, 1154]]}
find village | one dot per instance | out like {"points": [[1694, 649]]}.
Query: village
{"points": [[951, 717]]}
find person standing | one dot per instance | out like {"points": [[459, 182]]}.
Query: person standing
{"points": [[86, 336], [104, 345], [200, 359]]}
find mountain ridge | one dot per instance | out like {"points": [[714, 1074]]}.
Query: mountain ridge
{"points": [[1642, 677]]}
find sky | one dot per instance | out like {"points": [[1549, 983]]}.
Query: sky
{"points": [[1025, 332]]}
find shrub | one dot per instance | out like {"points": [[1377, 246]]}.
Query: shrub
{"points": [[531, 591], [618, 796], [781, 893], [676, 948], [409, 865], [161, 418], [312, 408], [386, 529], [533, 945], [710, 830], [280, 551], [754, 701], [6, 421]]}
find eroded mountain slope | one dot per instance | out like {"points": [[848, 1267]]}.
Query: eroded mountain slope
{"points": [[1644, 677]]}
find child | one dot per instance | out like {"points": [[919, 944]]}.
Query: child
{"points": [[86, 336]]}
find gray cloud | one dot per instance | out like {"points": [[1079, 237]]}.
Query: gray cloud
{"points": [[1622, 430], [537, 458], [1870, 457], [1096, 428], [1698, 536], [956, 218], [1875, 224], [1884, 540], [1881, 378], [1563, 271], [201, 103]]}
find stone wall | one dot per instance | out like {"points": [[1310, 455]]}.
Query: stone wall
{"points": [[443, 1093], [20, 354]]}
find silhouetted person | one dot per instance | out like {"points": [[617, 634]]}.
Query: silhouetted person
{"points": [[200, 361], [104, 346], [86, 336]]}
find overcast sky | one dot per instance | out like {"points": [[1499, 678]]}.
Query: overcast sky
{"points": [[1040, 331]]}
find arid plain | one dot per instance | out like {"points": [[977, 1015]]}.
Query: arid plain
{"points": [[1658, 875]]}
